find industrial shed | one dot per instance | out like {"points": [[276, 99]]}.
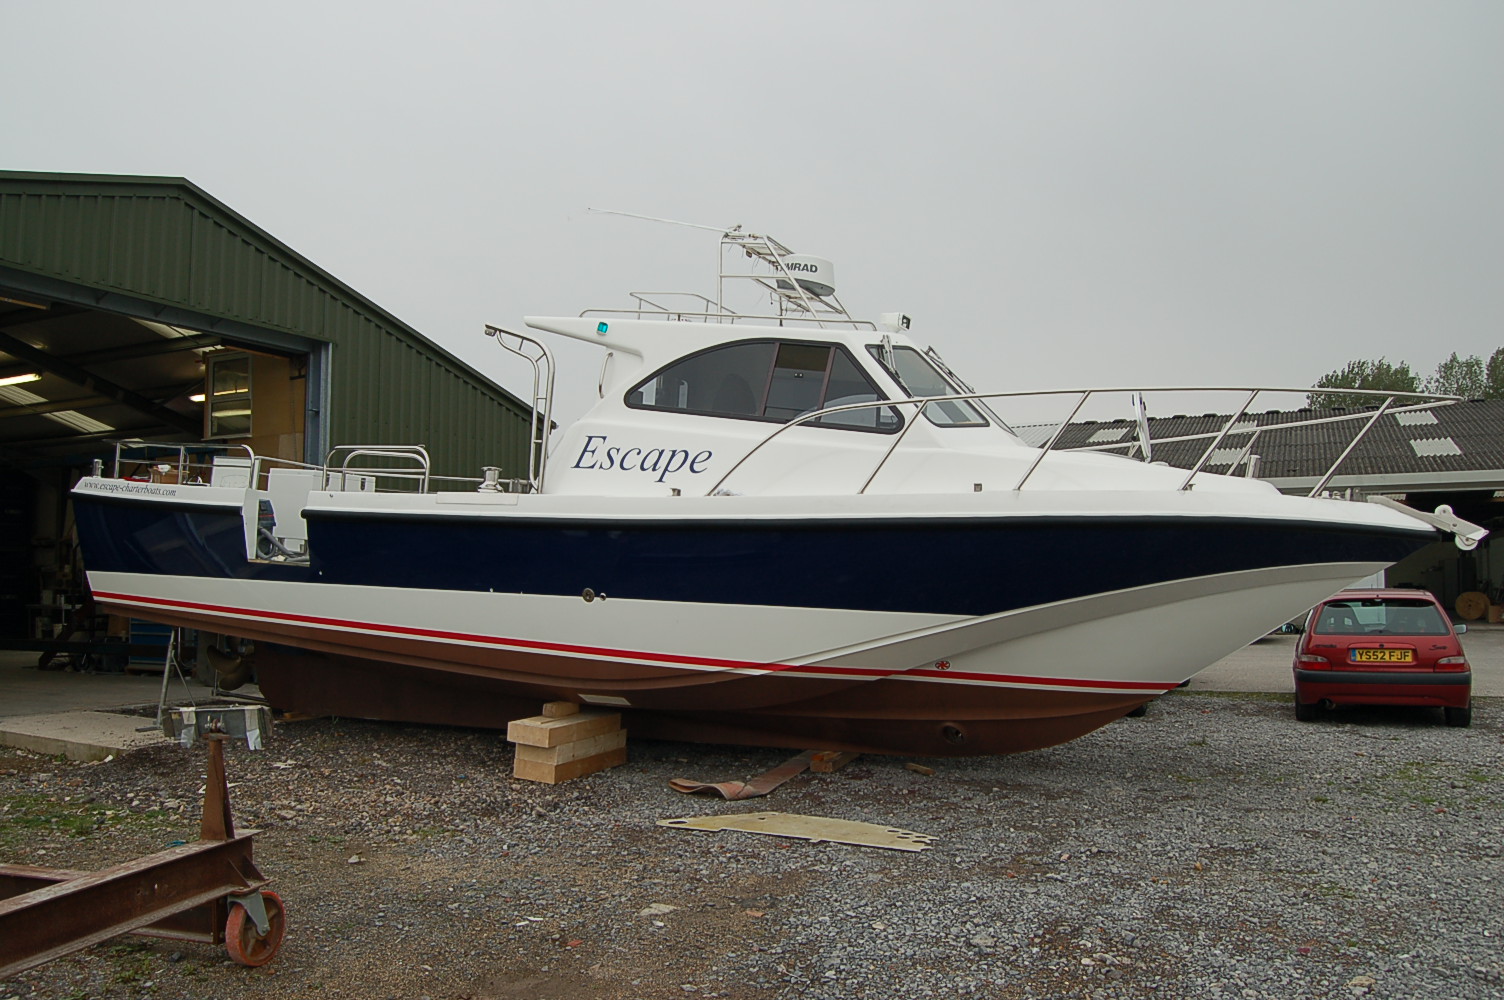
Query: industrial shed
{"points": [[127, 302]]}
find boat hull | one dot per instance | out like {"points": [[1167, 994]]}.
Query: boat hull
{"points": [[906, 684], [957, 635]]}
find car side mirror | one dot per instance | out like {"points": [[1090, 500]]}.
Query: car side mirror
{"points": [[1460, 628]]}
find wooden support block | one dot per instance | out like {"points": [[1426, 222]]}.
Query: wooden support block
{"points": [[559, 709], [828, 761], [566, 752], [541, 731], [552, 774]]}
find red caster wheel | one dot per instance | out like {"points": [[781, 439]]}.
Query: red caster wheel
{"points": [[245, 943]]}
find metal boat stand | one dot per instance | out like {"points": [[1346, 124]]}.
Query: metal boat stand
{"points": [[207, 891]]}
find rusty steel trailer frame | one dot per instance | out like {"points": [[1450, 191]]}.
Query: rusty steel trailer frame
{"points": [[209, 891]]}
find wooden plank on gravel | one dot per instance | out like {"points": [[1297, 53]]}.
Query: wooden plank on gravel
{"points": [[830, 761], [541, 731], [552, 774], [566, 752]]}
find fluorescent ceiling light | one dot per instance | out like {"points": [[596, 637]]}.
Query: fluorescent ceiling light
{"points": [[166, 329], [68, 418], [20, 397], [79, 422], [197, 397], [20, 379]]}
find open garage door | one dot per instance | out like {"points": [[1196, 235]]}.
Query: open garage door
{"points": [[75, 382]]}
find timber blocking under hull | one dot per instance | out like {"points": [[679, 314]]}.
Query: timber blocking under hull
{"points": [[565, 743]]}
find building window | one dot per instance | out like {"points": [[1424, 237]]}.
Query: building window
{"points": [[227, 410]]}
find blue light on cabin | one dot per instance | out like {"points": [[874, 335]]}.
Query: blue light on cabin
{"points": [[601, 328]]}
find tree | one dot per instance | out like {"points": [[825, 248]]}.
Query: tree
{"points": [[1465, 377], [1493, 376], [1362, 374]]}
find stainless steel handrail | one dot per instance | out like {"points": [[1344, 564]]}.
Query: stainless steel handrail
{"points": [[181, 448], [897, 440], [1255, 429], [403, 452], [1206, 455], [537, 354], [259, 466], [646, 305], [799, 421], [1059, 430], [1227, 429], [262, 465], [1349, 449], [857, 324]]}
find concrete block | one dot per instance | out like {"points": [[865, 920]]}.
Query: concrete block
{"points": [[79, 735]]}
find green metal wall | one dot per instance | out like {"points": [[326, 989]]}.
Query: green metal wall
{"points": [[165, 241]]}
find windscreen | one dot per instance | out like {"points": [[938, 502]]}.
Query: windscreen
{"points": [[1380, 616], [914, 372]]}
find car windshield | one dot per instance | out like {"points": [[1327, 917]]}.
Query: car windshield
{"points": [[1380, 616]]}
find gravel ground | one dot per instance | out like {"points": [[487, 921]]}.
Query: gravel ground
{"points": [[1215, 848]]}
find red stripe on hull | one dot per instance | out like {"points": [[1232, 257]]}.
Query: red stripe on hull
{"points": [[527, 661], [529, 673], [179, 608]]}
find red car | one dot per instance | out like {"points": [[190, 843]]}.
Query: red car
{"points": [[1382, 647]]}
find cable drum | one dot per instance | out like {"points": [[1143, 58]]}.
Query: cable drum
{"points": [[1471, 605]]}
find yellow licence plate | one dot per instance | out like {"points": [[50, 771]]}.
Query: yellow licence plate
{"points": [[1383, 656]]}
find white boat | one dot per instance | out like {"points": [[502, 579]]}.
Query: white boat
{"points": [[796, 530]]}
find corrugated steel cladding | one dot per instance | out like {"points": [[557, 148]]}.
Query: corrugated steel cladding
{"points": [[166, 241]]}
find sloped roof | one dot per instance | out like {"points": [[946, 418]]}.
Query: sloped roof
{"points": [[167, 241], [1456, 445], [78, 249]]}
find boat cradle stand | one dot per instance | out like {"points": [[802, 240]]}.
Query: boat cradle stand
{"points": [[207, 891]]}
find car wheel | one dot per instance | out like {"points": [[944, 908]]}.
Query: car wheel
{"points": [[1461, 718], [1307, 712]]}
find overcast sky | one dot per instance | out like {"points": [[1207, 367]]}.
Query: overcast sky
{"points": [[1058, 193]]}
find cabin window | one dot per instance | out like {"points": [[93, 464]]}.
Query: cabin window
{"points": [[767, 380], [921, 378], [798, 382], [849, 384]]}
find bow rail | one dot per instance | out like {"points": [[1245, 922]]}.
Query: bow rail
{"points": [[1229, 429]]}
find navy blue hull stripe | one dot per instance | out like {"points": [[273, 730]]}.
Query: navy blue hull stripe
{"points": [[952, 566]]}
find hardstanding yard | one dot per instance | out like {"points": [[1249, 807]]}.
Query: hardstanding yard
{"points": [[1215, 847]]}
